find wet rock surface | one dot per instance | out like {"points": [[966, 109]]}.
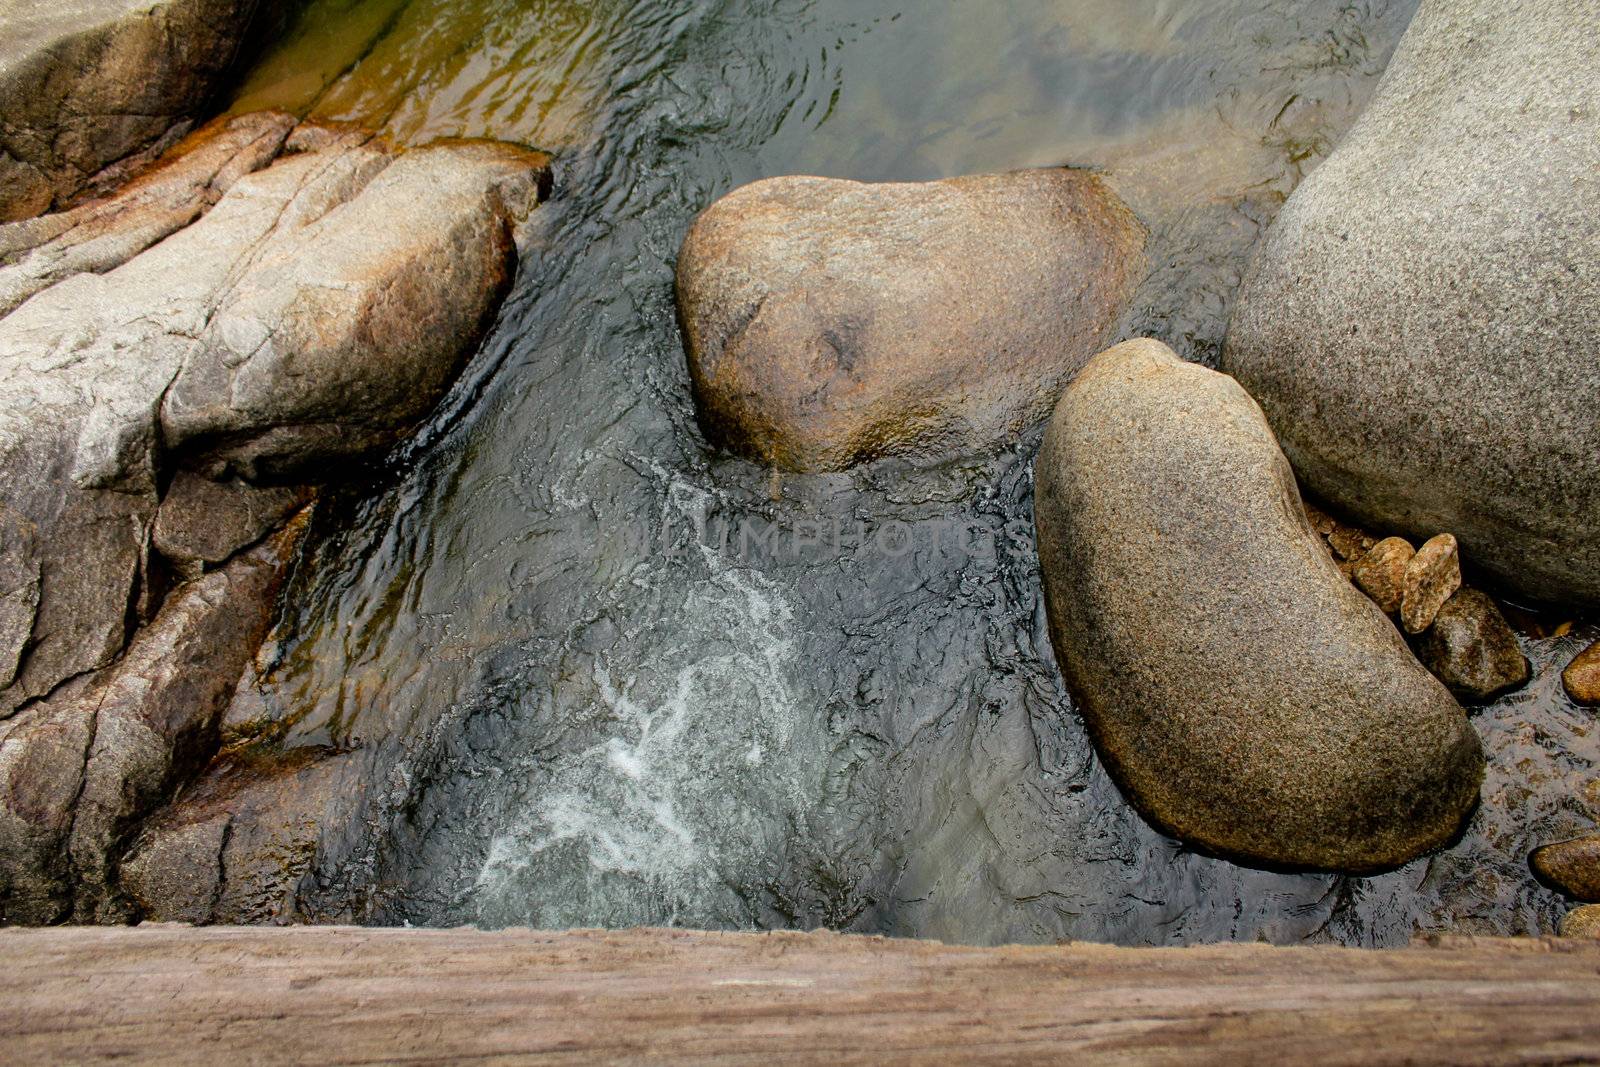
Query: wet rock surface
{"points": [[1247, 699], [238, 845], [87, 83], [1581, 678], [1418, 322], [201, 521], [1471, 649], [831, 322], [1582, 922], [1571, 866], [270, 302]]}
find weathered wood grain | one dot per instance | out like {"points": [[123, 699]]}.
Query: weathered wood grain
{"points": [[168, 994]]}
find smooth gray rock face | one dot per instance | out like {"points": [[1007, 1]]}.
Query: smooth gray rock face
{"points": [[1246, 697], [1419, 323], [312, 315], [831, 322], [86, 83]]}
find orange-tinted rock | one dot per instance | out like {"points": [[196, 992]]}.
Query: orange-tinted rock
{"points": [[1582, 922], [1582, 676], [1571, 866], [1432, 577], [1381, 573], [87, 83]]}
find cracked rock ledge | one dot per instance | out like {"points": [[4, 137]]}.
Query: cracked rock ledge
{"points": [[180, 366]]}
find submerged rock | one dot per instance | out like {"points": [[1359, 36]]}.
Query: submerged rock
{"points": [[1247, 698], [832, 322], [1432, 577], [87, 83], [1471, 648], [1581, 678], [1571, 866], [1419, 322]]}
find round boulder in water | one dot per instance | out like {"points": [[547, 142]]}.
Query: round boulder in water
{"points": [[1248, 699], [833, 322], [1419, 323]]}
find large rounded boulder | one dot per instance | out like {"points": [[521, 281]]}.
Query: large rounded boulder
{"points": [[1420, 322], [833, 322], [1246, 698]]}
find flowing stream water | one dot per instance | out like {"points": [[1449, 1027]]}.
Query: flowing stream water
{"points": [[601, 675]]}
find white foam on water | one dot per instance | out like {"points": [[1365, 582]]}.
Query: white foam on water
{"points": [[710, 760]]}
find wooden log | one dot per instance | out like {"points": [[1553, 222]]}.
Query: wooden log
{"points": [[173, 994]]}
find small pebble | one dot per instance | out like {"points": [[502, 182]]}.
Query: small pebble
{"points": [[1582, 922], [1432, 577], [1381, 573], [1471, 649], [1350, 543], [1320, 520], [1571, 866], [1582, 676]]}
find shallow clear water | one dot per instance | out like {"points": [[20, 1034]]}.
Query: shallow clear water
{"points": [[599, 674]]}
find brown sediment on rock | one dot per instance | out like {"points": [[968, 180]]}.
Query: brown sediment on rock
{"points": [[83, 766], [173, 994], [831, 322], [236, 846]]}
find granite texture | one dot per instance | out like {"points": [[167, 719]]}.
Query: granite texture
{"points": [[832, 322], [1246, 697], [1419, 322]]}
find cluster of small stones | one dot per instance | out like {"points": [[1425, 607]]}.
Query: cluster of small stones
{"points": [[1460, 634]]}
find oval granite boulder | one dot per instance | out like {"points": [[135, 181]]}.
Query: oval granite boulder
{"points": [[1246, 698], [1419, 323], [833, 322]]}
